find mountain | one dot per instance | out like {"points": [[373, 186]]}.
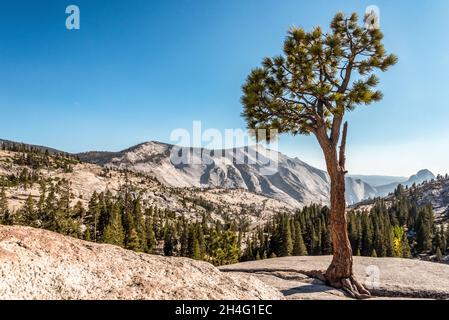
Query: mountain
{"points": [[86, 179], [295, 182], [434, 192], [358, 190], [292, 181], [420, 177], [262, 171], [376, 180], [19, 145], [431, 190]]}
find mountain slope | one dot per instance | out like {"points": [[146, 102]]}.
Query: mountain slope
{"points": [[375, 180], [434, 192], [292, 180], [358, 190], [420, 177], [9, 144]]}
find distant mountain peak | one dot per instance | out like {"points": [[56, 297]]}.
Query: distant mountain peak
{"points": [[425, 173]]}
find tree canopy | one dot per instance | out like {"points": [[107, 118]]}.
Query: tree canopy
{"points": [[317, 79]]}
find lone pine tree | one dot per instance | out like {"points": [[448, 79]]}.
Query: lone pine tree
{"points": [[308, 89]]}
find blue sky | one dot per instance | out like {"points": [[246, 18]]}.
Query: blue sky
{"points": [[138, 69]]}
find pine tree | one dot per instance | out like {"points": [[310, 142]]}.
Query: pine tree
{"points": [[286, 238], [308, 90], [48, 215], [150, 236], [5, 217], [113, 232], [248, 253], [447, 238], [196, 251], [367, 235], [424, 225], [139, 224], [63, 220], [299, 248], [184, 240], [440, 239], [224, 248], [353, 231], [27, 214], [406, 251], [191, 239], [202, 241], [133, 240], [93, 214], [169, 242], [326, 241]]}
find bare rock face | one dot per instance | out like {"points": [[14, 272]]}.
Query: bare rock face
{"points": [[385, 277], [39, 264]]}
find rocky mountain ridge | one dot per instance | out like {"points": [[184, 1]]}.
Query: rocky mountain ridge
{"points": [[291, 180], [253, 169]]}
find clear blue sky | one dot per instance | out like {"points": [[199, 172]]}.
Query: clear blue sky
{"points": [[136, 70]]}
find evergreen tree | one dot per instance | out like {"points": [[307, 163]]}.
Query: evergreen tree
{"points": [[202, 242], [326, 241], [93, 214], [139, 224], [5, 216], [447, 238], [424, 225], [308, 90], [150, 236], [113, 232], [169, 241], [133, 240], [286, 238], [299, 248], [27, 214], [367, 235], [224, 248]]}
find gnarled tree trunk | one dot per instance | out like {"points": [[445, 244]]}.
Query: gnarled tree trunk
{"points": [[340, 272], [341, 266]]}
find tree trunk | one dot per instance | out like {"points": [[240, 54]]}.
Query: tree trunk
{"points": [[340, 272], [341, 266]]}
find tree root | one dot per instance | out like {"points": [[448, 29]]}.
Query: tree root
{"points": [[354, 288], [350, 286]]}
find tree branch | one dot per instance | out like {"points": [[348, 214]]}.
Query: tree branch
{"points": [[335, 130], [342, 158]]}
